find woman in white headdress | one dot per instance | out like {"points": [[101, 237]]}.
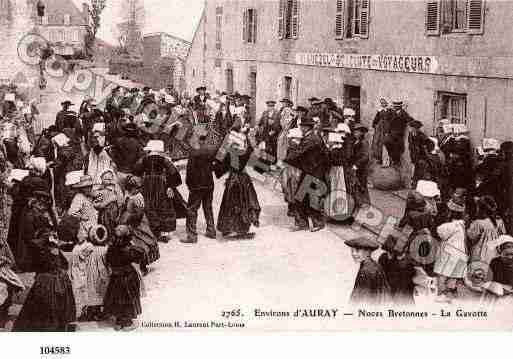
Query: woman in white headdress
{"points": [[339, 205]]}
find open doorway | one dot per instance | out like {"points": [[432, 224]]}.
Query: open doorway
{"points": [[352, 99]]}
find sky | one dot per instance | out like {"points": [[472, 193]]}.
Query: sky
{"points": [[176, 17]]}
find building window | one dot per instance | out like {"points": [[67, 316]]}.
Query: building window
{"points": [[288, 19], [249, 26], [229, 80], [453, 107], [449, 16], [67, 19], [352, 19], [217, 63], [219, 23], [193, 72], [287, 87]]}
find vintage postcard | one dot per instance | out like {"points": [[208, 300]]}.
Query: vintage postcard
{"points": [[255, 165]]}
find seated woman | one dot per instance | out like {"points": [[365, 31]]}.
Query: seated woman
{"points": [[82, 206]]}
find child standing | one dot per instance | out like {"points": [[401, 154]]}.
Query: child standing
{"points": [[90, 277], [122, 299], [133, 215]]}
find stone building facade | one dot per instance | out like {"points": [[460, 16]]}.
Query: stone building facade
{"points": [[443, 58], [64, 26], [164, 56]]}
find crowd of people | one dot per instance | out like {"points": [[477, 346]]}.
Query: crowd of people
{"points": [[96, 192]]}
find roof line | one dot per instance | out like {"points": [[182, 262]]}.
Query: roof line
{"points": [[168, 34], [197, 29]]}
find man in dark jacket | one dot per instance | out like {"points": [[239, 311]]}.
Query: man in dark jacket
{"points": [[199, 104], [394, 133], [200, 181], [59, 118], [360, 162], [126, 151], [311, 158], [269, 129], [380, 124]]}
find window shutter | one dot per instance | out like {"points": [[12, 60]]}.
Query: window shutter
{"points": [[281, 19], [475, 16], [364, 19], [254, 26], [339, 19], [245, 26], [433, 18], [295, 18]]}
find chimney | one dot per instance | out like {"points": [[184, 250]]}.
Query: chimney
{"points": [[85, 12]]}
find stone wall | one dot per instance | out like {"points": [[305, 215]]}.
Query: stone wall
{"points": [[15, 22]]}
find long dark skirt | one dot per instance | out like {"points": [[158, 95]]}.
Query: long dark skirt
{"points": [[239, 207], [50, 304], [108, 217], [145, 240], [123, 297], [162, 211]]}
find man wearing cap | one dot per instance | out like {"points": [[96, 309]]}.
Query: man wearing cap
{"points": [[371, 285], [200, 181], [315, 107], [163, 202], [360, 165], [113, 103], [311, 158], [199, 104], [59, 118], [268, 130], [380, 124], [328, 117], [223, 120], [394, 135]]}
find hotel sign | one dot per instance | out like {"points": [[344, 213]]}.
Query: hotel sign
{"points": [[394, 63]]}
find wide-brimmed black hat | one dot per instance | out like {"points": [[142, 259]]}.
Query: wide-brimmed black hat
{"points": [[360, 127], [362, 243], [415, 124], [201, 88], [286, 100], [67, 103], [307, 121], [301, 109], [146, 88], [130, 127], [313, 99], [270, 102]]}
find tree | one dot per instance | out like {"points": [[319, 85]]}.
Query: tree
{"points": [[95, 11]]}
